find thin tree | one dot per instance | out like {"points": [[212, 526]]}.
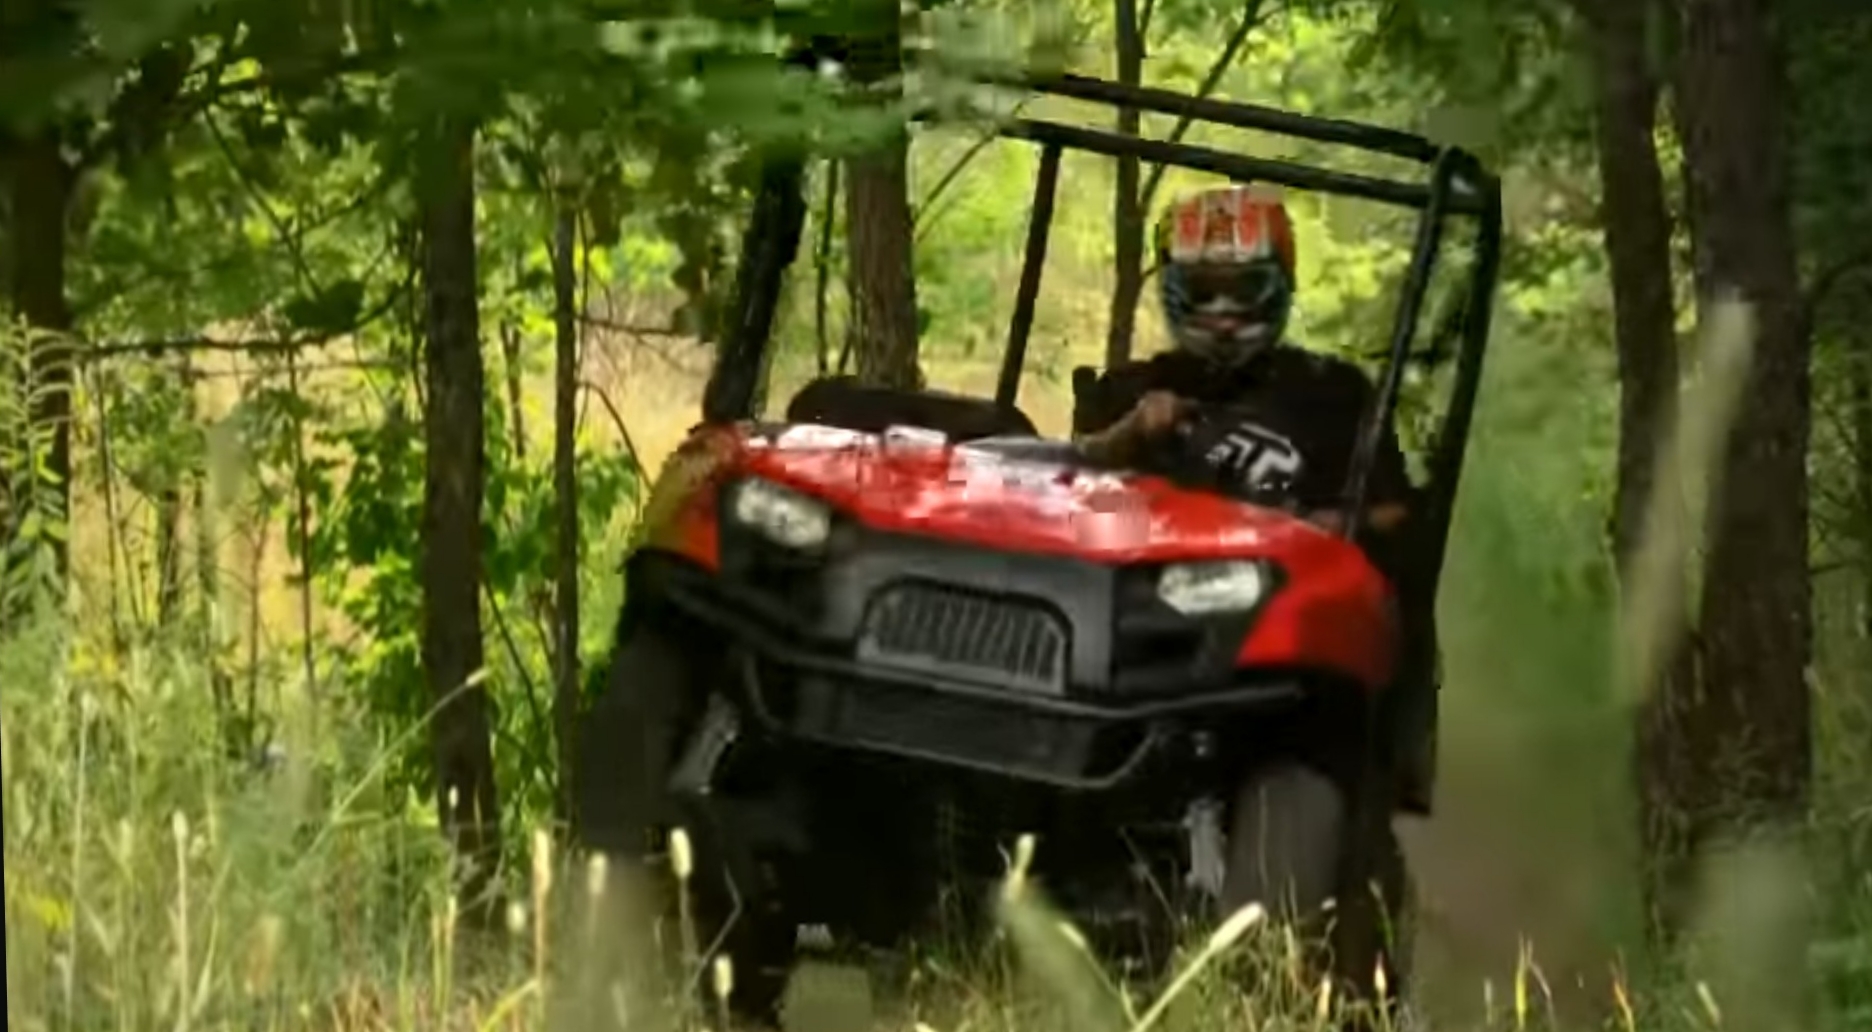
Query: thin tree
{"points": [[1127, 194], [451, 548], [565, 491], [878, 222], [1746, 730], [1635, 221]]}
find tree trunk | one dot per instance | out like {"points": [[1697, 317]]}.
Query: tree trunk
{"points": [[510, 366], [1637, 231], [1750, 725], [1636, 223], [208, 565], [39, 193], [1861, 401], [451, 547], [169, 556], [1127, 198], [822, 272], [878, 224], [565, 492], [170, 508]]}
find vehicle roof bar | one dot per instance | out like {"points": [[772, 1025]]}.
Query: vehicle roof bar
{"points": [[768, 246], [1230, 113], [1444, 464], [1424, 254], [1033, 264], [1405, 194]]}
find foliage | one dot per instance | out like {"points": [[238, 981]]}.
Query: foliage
{"points": [[30, 516]]}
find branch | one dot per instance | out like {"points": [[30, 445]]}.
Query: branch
{"points": [[631, 328], [1251, 18], [143, 109], [278, 346], [531, 694], [918, 223], [365, 365], [258, 196], [920, 219], [268, 81], [186, 345], [617, 420], [379, 186]]}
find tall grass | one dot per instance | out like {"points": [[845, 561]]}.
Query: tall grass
{"points": [[155, 881]]}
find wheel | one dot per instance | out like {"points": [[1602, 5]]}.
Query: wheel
{"points": [[1293, 847], [1286, 842], [627, 745]]}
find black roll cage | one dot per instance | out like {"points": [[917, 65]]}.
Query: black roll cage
{"points": [[1457, 184]]}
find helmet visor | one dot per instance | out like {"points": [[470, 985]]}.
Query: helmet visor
{"points": [[1254, 291]]}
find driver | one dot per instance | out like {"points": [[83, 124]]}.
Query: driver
{"points": [[1226, 271]]}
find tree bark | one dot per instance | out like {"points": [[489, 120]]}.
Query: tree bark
{"points": [[1749, 725], [1636, 226], [169, 556], [878, 223], [467, 797], [1637, 231], [822, 271], [1860, 388], [1127, 197], [510, 366], [565, 497], [40, 184]]}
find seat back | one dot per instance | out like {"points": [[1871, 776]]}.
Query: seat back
{"points": [[844, 402]]}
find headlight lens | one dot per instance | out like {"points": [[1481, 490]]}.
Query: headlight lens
{"points": [[1197, 589], [783, 516]]}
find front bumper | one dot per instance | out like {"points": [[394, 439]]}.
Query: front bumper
{"points": [[1096, 687]]}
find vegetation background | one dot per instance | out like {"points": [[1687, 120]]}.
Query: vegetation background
{"points": [[345, 339]]}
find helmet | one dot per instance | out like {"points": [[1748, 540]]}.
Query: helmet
{"points": [[1226, 270]]}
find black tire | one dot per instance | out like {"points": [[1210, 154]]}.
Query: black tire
{"points": [[1293, 847], [627, 745], [1287, 839]]}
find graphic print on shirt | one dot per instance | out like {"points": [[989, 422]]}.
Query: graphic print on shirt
{"points": [[1256, 458]]}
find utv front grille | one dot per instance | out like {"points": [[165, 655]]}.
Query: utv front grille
{"points": [[930, 629]]}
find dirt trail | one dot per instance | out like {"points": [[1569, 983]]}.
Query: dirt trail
{"points": [[1479, 903]]}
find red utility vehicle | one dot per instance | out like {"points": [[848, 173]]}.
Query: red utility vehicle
{"points": [[866, 646]]}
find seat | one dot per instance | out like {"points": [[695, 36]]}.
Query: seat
{"points": [[844, 402]]}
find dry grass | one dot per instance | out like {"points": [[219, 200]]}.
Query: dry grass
{"points": [[150, 887]]}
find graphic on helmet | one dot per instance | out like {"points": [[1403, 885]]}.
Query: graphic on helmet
{"points": [[1226, 259]]}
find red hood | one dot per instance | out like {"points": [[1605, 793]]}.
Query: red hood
{"points": [[965, 494]]}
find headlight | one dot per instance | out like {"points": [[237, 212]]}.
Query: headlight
{"points": [[1197, 589], [783, 516]]}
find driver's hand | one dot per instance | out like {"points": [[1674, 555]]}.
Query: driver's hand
{"points": [[1157, 412], [1332, 521], [1382, 518]]}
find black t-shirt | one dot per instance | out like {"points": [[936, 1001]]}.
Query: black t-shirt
{"points": [[1294, 420]]}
